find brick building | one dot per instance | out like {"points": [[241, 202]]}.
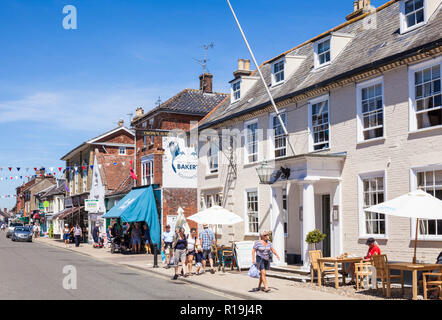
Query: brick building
{"points": [[153, 148]]}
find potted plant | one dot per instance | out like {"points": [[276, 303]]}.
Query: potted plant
{"points": [[314, 237]]}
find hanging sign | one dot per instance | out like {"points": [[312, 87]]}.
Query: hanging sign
{"points": [[91, 205]]}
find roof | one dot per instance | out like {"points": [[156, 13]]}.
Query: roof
{"points": [[123, 188], [54, 190], [94, 140], [188, 101], [112, 176], [370, 48]]}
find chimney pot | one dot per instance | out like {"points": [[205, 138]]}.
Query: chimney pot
{"points": [[247, 65], [206, 82], [240, 64], [359, 8], [243, 69], [121, 123], [139, 112]]}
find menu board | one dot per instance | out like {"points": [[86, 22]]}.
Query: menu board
{"points": [[244, 254]]}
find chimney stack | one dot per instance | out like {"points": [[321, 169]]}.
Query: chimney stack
{"points": [[243, 68], [359, 8], [121, 123], [206, 82]]}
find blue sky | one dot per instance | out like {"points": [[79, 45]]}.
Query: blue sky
{"points": [[61, 87]]}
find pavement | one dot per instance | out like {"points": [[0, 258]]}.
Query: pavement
{"points": [[45, 270], [231, 283]]}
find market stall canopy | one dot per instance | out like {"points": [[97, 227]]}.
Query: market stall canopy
{"points": [[216, 215], [417, 204], [138, 205]]}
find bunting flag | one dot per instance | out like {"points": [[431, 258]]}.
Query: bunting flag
{"points": [[10, 168], [132, 174], [92, 167], [18, 168]]}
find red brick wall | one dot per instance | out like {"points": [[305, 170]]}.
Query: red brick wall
{"points": [[184, 198]]}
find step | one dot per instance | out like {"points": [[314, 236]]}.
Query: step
{"points": [[300, 277], [294, 270]]}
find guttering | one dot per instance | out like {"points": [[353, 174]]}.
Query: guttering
{"points": [[373, 65]]}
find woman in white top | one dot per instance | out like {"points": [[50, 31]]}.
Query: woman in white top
{"points": [[192, 242], [66, 232]]}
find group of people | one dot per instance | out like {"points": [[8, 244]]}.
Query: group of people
{"points": [[179, 248], [77, 232], [132, 234]]}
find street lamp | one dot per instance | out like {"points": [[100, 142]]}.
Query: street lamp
{"points": [[265, 173]]}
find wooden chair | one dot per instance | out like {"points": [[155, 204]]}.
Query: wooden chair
{"points": [[380, 262], [315, 265], [362, 271], [432, 285]]}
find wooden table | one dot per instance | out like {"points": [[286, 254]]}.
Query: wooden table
{"points": [[336, 262], [414, 268]]}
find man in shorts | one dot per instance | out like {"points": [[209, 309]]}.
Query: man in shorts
{"points": [[207, 239], [167, 240]]}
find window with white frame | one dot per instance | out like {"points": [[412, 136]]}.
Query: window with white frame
{"points": [[236, 90], [412, 14], [323, 52], [430, 181], [122, 150], [212, 155], [370, 110], [372, 193], [425, 89], [279, 137], [278, 72], [252, 212], [251, 142], [319, 124], [213, 200], [147, 173]]}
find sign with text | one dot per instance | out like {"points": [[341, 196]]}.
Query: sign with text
{"points": [[180, 164], [171, 221], [244, 253], [91, 205]]}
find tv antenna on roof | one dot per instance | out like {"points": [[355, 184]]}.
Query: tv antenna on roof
{"points": [[203, 62]]}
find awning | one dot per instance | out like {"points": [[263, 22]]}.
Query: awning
{"points": [[138, 205], [66, 212]]}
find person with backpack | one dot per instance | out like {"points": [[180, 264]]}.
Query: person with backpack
{"points": [[207, 239]]}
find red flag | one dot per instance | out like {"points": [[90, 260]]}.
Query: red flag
{"points": [[132, 174], [10, 168], [59, 169], [35, 169]]}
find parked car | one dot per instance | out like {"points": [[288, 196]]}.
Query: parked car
{"points": [[22, 234], [11, 228]]}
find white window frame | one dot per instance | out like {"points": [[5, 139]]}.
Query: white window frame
{"points": [[412, 93], [360, 121], [211, 156], [246, 214], [147, 180], [316, 58], [362, 226], [403, 22], [274, 81], [311, 140], [272, 134], [246, 142], [120, 149], [413, 187], [234, 92]]}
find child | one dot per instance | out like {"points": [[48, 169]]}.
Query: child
{"points": [[198, 258]]}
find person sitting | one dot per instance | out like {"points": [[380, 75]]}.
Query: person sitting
{"points": [[373, 249]]}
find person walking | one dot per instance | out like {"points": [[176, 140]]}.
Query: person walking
{"points": [[66, 233], [146, 237], [191, 247], [207, 239], [77, 234], [261, 254], [136, 239], [108, 235], [180, 247], [167, 241]]}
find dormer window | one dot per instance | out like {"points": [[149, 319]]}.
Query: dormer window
{"points": [[236, 91], [278, 72], [412, 14], [323, 52]]}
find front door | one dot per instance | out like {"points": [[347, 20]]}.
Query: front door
{"points": [[326, 244]]}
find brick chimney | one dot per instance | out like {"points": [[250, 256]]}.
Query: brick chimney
{"points": [[206, 80], [243, 68], [359, 8], [121, 123]]}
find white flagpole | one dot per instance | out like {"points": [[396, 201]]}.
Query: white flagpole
{"points": [[262, 78]]}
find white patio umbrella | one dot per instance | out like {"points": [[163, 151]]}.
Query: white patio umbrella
{"points": [[216, 215], [417, 204]]}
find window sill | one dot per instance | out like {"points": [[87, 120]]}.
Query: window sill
{"points": [[322, 66], [417, 26], [425, 129], [212, 175], [322, 150], [375, 236], [248, 234], [364, 142], [275, 85], [428, 238], [250, 164]]}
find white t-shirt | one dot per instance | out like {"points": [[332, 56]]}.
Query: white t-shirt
{"points": [[191, 243], [168, 236]]}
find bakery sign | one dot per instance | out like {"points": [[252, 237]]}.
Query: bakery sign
{"points": [[180, 164]]}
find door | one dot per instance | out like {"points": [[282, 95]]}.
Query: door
{"points": [[326, 244]]}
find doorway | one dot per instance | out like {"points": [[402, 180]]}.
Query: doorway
{"points": [[326, 244]]}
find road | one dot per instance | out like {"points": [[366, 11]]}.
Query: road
{"points": [[35, 271]]}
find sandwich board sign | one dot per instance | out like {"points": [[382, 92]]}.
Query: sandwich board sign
{"points": [[244, 254]]}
